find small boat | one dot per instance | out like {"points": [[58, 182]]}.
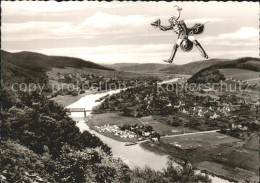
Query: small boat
{"points": [[130, 143]]}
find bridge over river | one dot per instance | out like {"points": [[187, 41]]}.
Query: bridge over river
{"points": [[87, 110]]}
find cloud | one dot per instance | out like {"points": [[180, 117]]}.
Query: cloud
{"points": [[98, 24], [243, 36], [233, 54], [202, 20], [121, 32], [103, 20], [35, 30], [113, 53], [242, 33], [25, 7], [33, 25]]}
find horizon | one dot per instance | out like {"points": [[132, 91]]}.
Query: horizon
{"points": [[134, 62], [120, 32]]}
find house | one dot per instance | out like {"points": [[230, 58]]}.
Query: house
{"points": [[155, 139], [146, 134], [199, 114], [215, 116], [131, 136], [227, 109], [243, 128], [176, 106], [184, 111], [177, 145], [140, 138], [169, 105]]}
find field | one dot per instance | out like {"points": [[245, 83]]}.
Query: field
{"points": [[200, 140], [240, 174], [231, 157], [162, 128]]}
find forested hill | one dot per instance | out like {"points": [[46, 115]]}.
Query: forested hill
{"points": [[207, 75], [193, 67], [212, 74], [41, 62], [31, 67], [247, 63]]}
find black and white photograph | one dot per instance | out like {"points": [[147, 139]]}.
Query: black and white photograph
{"points": [[130, 92]]}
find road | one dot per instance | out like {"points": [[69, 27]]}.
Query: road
{"points": [[186, 134], [183, 134], [142, 122]]}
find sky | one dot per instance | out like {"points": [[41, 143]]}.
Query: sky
{"points": [[120, 32]]}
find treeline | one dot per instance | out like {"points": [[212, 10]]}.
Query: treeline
{"points": [[37, 122], [41, 143]]}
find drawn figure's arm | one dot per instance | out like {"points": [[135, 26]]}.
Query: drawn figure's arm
{"points": [[157, 23], [165, 28]]}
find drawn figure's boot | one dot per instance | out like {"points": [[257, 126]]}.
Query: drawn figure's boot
{"points": [[203, 53], [175, 48]]}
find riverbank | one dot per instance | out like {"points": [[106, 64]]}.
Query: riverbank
{"points": [[66, 100], [205, 159]]}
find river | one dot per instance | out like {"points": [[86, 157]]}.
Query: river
{"points": [[133, 156]]}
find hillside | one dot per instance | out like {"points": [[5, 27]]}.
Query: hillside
{"points": [[246, 63], [246, 68], [207, 75], [31, 67], [40, 62], [192, 68], [136, 67]]}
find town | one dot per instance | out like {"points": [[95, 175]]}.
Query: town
{"points": [[78, 83], [187, 109]]}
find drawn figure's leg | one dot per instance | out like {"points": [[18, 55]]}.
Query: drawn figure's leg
{"points": [[175, 48], [198, 45]]}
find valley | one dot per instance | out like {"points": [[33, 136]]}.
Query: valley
{"points": [[210, 127]]}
